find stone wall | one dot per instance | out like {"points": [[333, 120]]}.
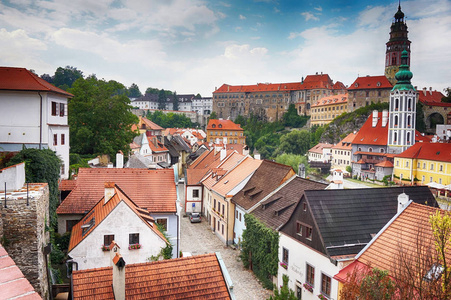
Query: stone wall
{"points": [[25, 235]]}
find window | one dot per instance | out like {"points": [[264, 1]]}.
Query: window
{"points": [[108, 239], [432, 167], [61, 110], [299, 228], [285, 255], [310, 275], [308, 232], [223, 210], [236, 214], [63, 167], [55, 108], [195, 193], [223, 229], [305, 206], [325, 285], [441, 168], [133, 238], [163, 222], [298, 290], [407, 164], [240, 216], [55, 139], [424, 166], [214, 205], [63, 139]]}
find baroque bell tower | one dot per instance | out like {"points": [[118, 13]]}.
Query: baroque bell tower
{"points": [[397, 43]]}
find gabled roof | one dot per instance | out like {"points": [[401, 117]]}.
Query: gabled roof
{"points": [[101, 210], [215, 124], [332, 100], [369, 135], [346, 143], [155, 145], [193, 277], [348, 218], [20, 79], [153, 190], [428, 151], [258, 187], [67, 184], [230, 162], [276, 210], [431, 97], [370, 82], [235, 176], [13, 284], [318, 148], [339, 86], [149, 124], [385, 164]]}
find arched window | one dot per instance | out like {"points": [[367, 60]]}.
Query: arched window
{"points": [[396, 104], [409, 104], [370, 149], [396, 120], [409, 120], [395, 137], [408, 137]]}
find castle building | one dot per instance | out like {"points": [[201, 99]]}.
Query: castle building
{"points": [[403, 99], [323, 111], [367, 89], [397, 43]]}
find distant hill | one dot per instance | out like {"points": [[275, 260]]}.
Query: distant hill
{"points": [[346, 123]]}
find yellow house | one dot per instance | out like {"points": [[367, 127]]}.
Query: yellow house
{"points": [[327, 108], [225, 131], [424, 163]]}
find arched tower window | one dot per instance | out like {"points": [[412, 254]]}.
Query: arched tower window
{"points": [[393, 60], [396, 104], [409, 104], [408, 137], [395, 137], [409, 120], [396, 120]]}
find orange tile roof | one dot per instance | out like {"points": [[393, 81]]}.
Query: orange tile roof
{"points": [[413, 223], [421, 138], [13, 284], [339, 86], [370, 82], [385, 164], [369, 135], [236, 175], [331, 100], [318, 148], [426, 96], [215, 124], [67, 185], [20, 79], [428, 151], [193, 277], [149, 124], [227, 164], [101, 210], [150, 189], [346, 143], [157, 146]]}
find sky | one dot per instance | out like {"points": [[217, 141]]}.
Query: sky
{"points": [[195, 46]]}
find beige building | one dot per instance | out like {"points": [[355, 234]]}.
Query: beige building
{"points": [[328, 108], [341, 152], [365, 90]]}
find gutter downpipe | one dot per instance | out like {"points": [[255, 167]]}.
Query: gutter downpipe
{"points": [[40, 121]]}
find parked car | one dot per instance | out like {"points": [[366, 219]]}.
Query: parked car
{"points": [[195, 218]]}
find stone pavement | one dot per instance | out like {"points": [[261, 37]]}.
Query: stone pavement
{"points": [[198, 238]]}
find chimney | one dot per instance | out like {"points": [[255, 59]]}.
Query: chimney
{"points": [[384, 117], [375, 118], [119, 160], [109, 191], [403, 200], [257, 156], [223, 154], [424, 91], [430, 90], [119, 277]]}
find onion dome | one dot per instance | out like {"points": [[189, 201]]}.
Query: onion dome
{"points": [[404, 75]]}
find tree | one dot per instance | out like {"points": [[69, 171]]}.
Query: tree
{"points": [[65, 77], [176, 102], [368, 284], [420, 125], [100, 121], [152, 91], [133, 91], [316, 132], [293, 161], [213, 116], [198, 96], [284, 293], [47, 78], [295, 142], [447, 98], [292, 119], [161, 100]]}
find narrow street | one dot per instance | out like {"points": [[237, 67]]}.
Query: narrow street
{"points": [[197, 238]]}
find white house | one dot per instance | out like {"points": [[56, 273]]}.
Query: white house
{"points": [[33, 114], [115, 218]]}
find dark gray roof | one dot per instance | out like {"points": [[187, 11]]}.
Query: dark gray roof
{"points": [[277, 209], [347, 219], [172, 150], [180, 144]]}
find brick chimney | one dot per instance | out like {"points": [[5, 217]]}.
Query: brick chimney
{"points": [[119, 277], [109, 191]]}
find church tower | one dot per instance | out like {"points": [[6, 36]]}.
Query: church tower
{"points": [[397, 43], [403, 100]]}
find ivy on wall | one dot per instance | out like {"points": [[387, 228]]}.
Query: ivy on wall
{"points": [[260, 250]]}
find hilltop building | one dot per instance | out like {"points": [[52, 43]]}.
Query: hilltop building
{"points": [[367, 89], [323, 111], [225, 131]]}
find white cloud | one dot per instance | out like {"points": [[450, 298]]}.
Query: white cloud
{"points": [[309, 16], [294, 35], [319, 8], [276, 10], [242, 17]]}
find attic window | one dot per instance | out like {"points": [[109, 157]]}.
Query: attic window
{"points": [[356, 84], [226, 182], [220, 125], [213, 126], [86, 226]]}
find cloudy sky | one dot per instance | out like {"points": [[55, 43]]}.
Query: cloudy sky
{"points": [[193, 46]]}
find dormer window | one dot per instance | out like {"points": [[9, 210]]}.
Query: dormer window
{"points": [[220, 125], [213, 126]]}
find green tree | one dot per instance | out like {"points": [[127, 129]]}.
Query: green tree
{"points": [[284, 293], [293, 161], [447, 98], [176, 101], [133, 91], [292, 119], [100, 121], [377, 286], [152, 91], [420, 125], [64, 78], [198, 96], [316, 132], [213, 116], [295, 142], [161, 100], [441, 231]]}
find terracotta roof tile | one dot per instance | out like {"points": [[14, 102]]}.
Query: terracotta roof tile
{"points": [[385, 164], [370, 82], [101, 210], [230, 162], [346, 143], [429, 151], [369, 135], [156, 146], [402, 233], [150, 189], [259, 186], [318, 148], [426, 96], [215, 124], [149, 124], [331, 100], [13, 284], [67, 185], [194, 277]]}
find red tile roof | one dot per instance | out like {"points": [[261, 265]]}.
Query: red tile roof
{"points": [[150, 189], [319, 147], [346, 143], [403, 233], [369, 135], [331, 100], [426, 96], [155, 145], [385, 164], [67, 185], [214, 124], [20, 79], [149, 124], [370, 82], [101, 210], [428, 151], [230, 162], [194, 277], [13, 284]]}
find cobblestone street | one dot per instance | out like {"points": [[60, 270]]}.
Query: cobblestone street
{"points": [[197, 238]]}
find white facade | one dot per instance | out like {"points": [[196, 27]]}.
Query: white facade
{"points": [[193, 199], [239, 225], [202, 106], [21, 123], [121, 222], [299, 256], [144, 104]]}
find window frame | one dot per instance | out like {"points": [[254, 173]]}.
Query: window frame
{"points": [[164, 223], [326, 286], [133, 238], [310, 276], [108, 239]]}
